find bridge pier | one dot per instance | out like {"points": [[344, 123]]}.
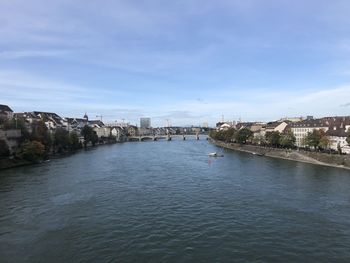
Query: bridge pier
{"points": [[184, 137]]}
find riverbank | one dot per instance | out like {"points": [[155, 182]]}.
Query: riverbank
{"points": [[339, 161], [8, 163], [12, 163]]}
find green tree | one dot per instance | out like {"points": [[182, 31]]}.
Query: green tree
{"points": [[89, 135], [4, 149], [94, 138], [41, 134], [32, 151], [287, 139], [17, 123], [74, 141], [213, 134], [243, 135], [86, 132], [313, 138], [324, 143], [259, 139], [273, 138], [61, 140], [229, 135]]}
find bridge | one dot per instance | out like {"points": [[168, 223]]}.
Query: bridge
{"points": [[167, 137]]}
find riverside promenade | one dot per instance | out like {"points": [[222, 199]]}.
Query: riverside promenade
{"points": [[333, 160]]}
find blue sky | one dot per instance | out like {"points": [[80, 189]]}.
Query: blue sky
{"points": [[188, 61]]}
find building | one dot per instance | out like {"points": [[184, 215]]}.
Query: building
{"points": [[132, 130], [51, 120], [145, 123], [119, 133], [102, 132], [225, 125], [76, 124], [5, 112], [302, 128], [337, 133], [276, 126]]}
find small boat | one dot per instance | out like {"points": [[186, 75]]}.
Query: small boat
{"points": [[258, 154], [215, 154]]}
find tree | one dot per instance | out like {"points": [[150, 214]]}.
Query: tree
{"points": [[20, 124], [229, 135], [226, 135], [4, 149], [259, 139], [348, 136], [61, 140], [243, 135], [324, 143], [86, 132], [41, 134], [32, 151], [89, 135], [273, 138], [287, 139], [94, 138], [313, 138], [74, 141]]}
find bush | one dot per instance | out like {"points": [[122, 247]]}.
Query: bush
{"points": [[32, 151]]}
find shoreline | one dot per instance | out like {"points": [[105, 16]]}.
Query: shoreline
{"points": [[291, 155], [7, 163]]}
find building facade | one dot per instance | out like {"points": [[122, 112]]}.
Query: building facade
{"points": [[145, 123], [5, 112], [302, 128]]}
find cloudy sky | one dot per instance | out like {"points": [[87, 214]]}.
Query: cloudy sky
{"points": [[189, 61]]}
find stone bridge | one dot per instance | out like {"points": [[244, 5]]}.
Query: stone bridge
{"points": [[167, 137]]}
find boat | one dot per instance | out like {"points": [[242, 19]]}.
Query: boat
{"points": [[257, 154], [215, 154]]}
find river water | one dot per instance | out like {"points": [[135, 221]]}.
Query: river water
{"points": [[169, 202]]}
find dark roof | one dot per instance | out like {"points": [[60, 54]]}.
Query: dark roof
{"points": [[337, 125], [339, 132], [309, 123], [273, 124], [5, 108], [70, 120], [244, 125], [51, 114], [25, 115]]}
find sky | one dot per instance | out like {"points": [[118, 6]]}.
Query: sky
{"points": [[188, 61]]}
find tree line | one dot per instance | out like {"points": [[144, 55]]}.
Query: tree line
{"points": [[246, 136], [316, 139], [37, 142]]}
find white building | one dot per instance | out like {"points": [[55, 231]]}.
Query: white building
{"points": [[302, 128], [102, 132], [337, 133]]}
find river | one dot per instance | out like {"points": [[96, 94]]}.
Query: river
{"points": [[169, 202]]}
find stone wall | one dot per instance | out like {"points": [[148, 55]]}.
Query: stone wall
{"points": [[11, 137]]}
